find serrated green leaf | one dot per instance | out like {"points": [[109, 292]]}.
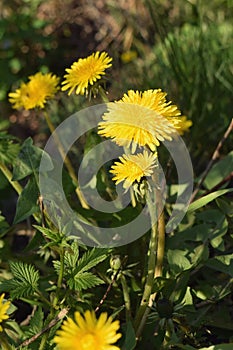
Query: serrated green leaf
{"points": [[54, 236], [25, 280], [28, 161], [27, 201], [199, 203], [8, 149], [23, 271], [71, 256], [83, 281], [90, 259]]}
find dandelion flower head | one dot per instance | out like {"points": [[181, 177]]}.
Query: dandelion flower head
{"points": [[4, 306], [85, 72], [133, 167], [88, 333], [183, 125], [35, 93], [139, 118]]}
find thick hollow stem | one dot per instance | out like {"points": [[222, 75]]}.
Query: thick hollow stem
{"points": [[151, 266], [158, 268]]}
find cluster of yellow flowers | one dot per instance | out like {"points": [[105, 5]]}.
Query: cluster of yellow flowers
{"points": [[138, 119]]}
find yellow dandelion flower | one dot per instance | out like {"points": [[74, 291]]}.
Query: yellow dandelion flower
{"points": [[85, 72], [183, 125], [139, 118], [133, 167], [4, 306], [36, 92], [88, 333], [128, 56]]}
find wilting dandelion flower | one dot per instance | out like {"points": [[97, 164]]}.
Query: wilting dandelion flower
{"points": [[88, 333], [133, 167], [35, 93], [139, 118], [4, 306], [85, 72]]}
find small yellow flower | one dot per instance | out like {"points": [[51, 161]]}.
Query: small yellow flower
{"points": [[139, 118], [88, 333], [128, 56], [4, 306], [85, 72], [133, 167], [36, 92], [183, 125]]}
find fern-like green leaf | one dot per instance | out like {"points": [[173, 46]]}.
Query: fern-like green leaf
{"points": [[24, 282], [90, 259], [84, 281], [71, 256]]}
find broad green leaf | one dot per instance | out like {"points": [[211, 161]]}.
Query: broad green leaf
{"points": [[28, 161], [130, 338], [27, 201], [178, 260], [219, 171], [212, 228], [223, 263], [199, 203], [226, 206]]}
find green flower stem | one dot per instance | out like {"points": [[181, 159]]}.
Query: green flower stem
{"points": [[131, 190], [55, 300], [67, 162], [43, 299], [126, 296], [151, 266], [159, 262], [160, 245], [158, 270], [8, 175], [103, 95], [60, 277]]}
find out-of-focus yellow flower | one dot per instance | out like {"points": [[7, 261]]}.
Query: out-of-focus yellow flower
{"points": [[85, 72], [133, 167], [88, 333], [140, 118], [128, 56], [183, 125], [35, 93], [4, 306]]}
